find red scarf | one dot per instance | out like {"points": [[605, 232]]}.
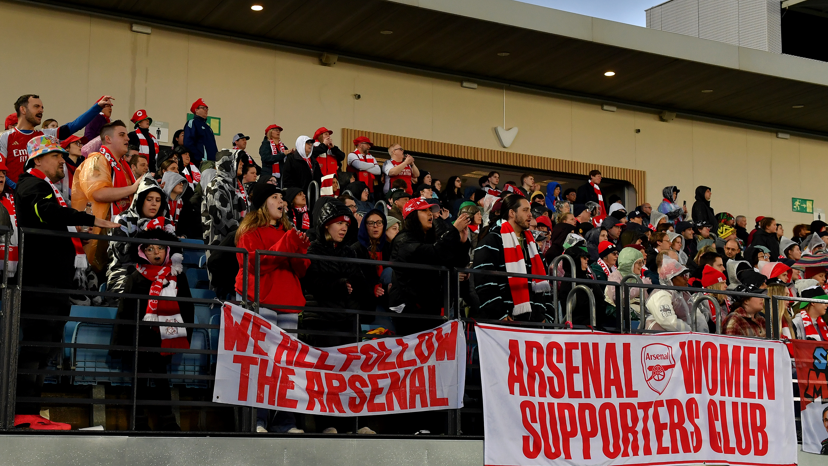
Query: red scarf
{"points": [[8, 203], [192, 174], [275, 148], [604, 267], [818, 332], [598, 219], [143, 144], [303, 212], [80, 256], [122, 177], [164, 283], [327, 186], [175, 209], [242, 193], [513, 257]]}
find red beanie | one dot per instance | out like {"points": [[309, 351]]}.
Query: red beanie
{"points": [[711, 276], [11, 120], [196, 104], [606, 248], [811, 272]]}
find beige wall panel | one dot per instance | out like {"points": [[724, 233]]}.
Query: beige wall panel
{"points": [[812, 157], [603, 137], [758, 177], [394, 103], [656, 144], [114, 67], [307, 96], [545, 125], [785, 182], [167, 78], [45, 52], [468, 116], [719, 158]]}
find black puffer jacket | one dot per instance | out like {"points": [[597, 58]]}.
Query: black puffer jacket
{"points": [[421, 291], [327, 280], [702, 210], [768, 240]]}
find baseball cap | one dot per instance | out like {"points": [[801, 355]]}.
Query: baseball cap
{"points": [[267, 130], [240, 136], [398, 194], [418, 204], [66, 142], [362, 139], [198, 103], [320, 132]]}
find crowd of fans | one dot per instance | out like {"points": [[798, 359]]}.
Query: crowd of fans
{"points": [[118, 180]]}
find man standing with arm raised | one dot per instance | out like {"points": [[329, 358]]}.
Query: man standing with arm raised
{"points": [[399, 167]]}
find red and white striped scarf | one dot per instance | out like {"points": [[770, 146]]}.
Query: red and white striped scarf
{"points": [[143, 144], [242, 193], [121, 178], [164, 283], [303, 212], [275, 148], [8, 203], [604, 267], [818, 332], [327, 186], [192, 174], [175, 209], [80, 256], [513, 257], [598, 219]]}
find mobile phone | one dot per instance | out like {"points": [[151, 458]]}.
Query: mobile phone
{"points": [[685, 203]]}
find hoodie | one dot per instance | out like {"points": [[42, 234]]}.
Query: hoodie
{"points": [[681, 254], [132, 222], [300, 169], [668, 207], [656, 217], [356, 189], [224, 204], [550, 195], [702, 212], [372, 273]]}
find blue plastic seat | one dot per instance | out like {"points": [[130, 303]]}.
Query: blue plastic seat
{"points": [[193, 256], [192, 364], [197, 278], [202, 294], [84, 311], [215, 319], [202, 313], [92, 360]]}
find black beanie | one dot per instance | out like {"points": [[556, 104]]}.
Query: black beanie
{"points": [[262, 191]]}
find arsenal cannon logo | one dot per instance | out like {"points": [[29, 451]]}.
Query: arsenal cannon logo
{"points": [[658, 364]]}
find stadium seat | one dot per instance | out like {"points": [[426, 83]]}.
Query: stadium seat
{"points": [[192, 364], [194, 256], [92, 360], [202, 294], [197, 278], [215, 319], [202, 313]]}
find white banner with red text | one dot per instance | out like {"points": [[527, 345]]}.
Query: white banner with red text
{"points": [[261, 366], [590, 398]]}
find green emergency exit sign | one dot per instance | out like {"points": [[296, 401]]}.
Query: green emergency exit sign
{"points": [[214, 122], [803, 206]]}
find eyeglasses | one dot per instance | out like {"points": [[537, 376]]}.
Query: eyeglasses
{"points": [[155, 249], [398, 148], [375, 223]]}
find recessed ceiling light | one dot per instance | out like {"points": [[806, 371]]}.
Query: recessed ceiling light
{"points": [[609, 73], [386, 32], [503, 54], [257, 8], [707, 91], [798, 106]]}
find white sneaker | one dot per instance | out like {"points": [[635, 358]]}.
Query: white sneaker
{"points": [[260, 428], [365, 431], [330, 430], [296, 430]]}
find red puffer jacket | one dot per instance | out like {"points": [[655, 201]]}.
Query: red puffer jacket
{"points": [[280, 276]]}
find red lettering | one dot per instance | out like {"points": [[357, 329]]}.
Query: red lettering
{"points": [[267, 383], [357, 383], [678, 433], [741, 418], [515, 370], [628, 383], [384, 365], [712, 421], [372, 357], [571, 370], [727, 448], [692, 416], [568, 421], [588, 423], [287, 350], [659, 428], [710, 356], [748, 373], [765, 381], [335, 384], [401, 361], [691, 366], [531, 443], [285, 384], [376, 390], [608, 418], [729, 374], [316, 391], [549, 430], [244, 372], [417, 388], [433, 399], [447, 343], [629, 434], [534, 368], [424, 341], [351, 354], [592, 369], [235, 335], [397, 390], [758, 424], [320, 363], [554, 356], [612, 372], [300, 357], [646, 406], [257, 335]]}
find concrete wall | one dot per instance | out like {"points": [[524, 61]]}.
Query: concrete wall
{"points": [[72, 59]]}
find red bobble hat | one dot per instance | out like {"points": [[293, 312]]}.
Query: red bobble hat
{"points": [[267, 130], [198, 103], [544, 220], [320, 132], [711, 276]]}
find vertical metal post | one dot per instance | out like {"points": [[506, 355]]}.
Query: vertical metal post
{"points": [[256, 283], [11, 305], [135, 365], [5, 333], [245, 268], [770, 319], [553, 273]]}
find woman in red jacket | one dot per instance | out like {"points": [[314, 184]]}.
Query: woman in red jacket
{"points": [[266, 228]]}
